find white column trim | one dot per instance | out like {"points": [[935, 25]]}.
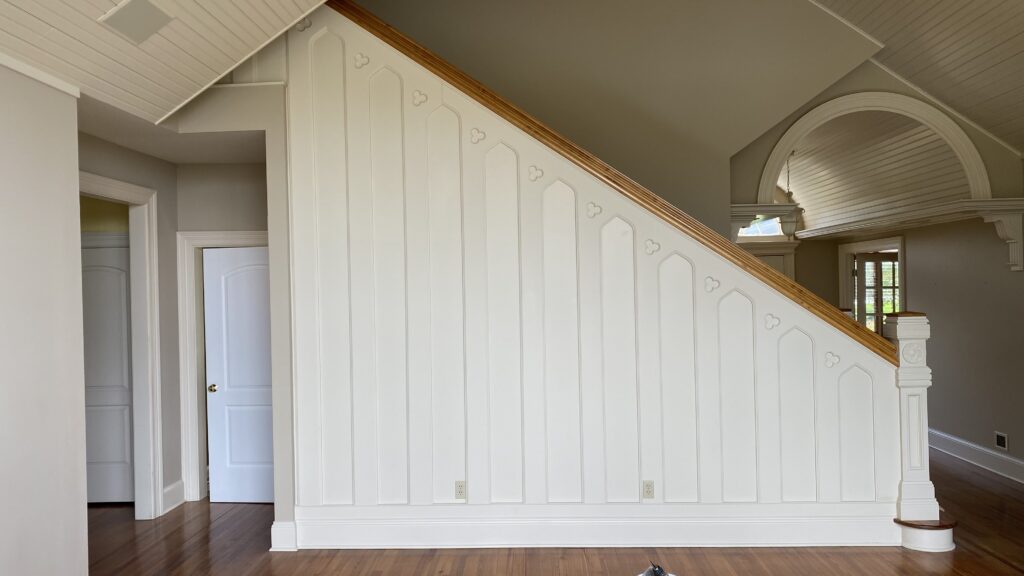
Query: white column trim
{"points": [[192, 465], [910, 333]]}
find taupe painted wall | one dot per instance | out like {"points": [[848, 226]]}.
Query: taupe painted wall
{"points": [[817, 268], [110, 160], [665, 91], [42, 387], [222, 197], [957, 274], [1006, 172], [103, 216]]}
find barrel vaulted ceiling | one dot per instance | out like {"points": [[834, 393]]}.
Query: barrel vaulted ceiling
{"points": [[869, 164], [203, 40], [969, 54]]}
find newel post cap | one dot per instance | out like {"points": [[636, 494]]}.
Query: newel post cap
{"points": [[909, 331], [906, 325]]}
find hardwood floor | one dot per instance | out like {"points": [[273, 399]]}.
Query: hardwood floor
{"points": [[232, 539]]}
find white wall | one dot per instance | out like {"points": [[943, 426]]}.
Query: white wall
{"points": [[105, 159], [42, 388], [469, 306]]}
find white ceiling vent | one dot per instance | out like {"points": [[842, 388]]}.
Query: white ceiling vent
{"points": [[136, 20]]}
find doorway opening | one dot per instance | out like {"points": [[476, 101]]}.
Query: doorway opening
{"points": [[872, 280], [122, 353], [224, 328]]}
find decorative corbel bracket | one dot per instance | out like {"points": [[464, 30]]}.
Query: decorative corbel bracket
{"points": [[1010, 228]]}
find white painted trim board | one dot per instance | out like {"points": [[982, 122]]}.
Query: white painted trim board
{"points": [[579, 532], [991, 460], [105, 240], [174, 496], [38, 75], [913, 108]]}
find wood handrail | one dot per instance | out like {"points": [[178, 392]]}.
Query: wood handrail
{"points": [[617, 180]]}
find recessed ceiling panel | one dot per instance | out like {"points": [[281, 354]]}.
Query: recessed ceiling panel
{"points": [[136, 20]]}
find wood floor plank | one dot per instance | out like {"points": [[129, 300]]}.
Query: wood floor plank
{"points": [[232, 540]]}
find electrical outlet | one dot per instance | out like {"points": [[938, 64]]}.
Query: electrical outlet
{"points": [[1001, 441], [460, 489], [648, 489]]}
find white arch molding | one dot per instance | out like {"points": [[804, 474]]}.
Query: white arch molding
{"points": [[930, 116]]}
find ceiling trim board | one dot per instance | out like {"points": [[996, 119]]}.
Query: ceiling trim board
{"points": [[946, 107], [853, 26], [25, 69], [246, 57]]}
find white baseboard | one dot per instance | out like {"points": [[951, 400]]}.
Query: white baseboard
{"points": [[991, 460], [510, 532], [282, 537], [174, 496]]}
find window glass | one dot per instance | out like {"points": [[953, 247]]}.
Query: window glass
{"points": [[770, 227]]}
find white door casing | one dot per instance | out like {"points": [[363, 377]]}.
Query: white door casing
{"points": [[108, 393], [147, 442], [238, 403]]}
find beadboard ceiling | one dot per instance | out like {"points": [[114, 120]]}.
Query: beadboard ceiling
{"points": [[867, 164], [204, 40], [967, 53]]}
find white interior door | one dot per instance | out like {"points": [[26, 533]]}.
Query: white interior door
{"points": [[108, 390], [238, 415]]}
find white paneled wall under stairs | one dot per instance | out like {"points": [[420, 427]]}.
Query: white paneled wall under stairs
{"points": [[493, 347]]}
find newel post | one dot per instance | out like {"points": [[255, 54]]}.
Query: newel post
{"points": [[910, 332]]}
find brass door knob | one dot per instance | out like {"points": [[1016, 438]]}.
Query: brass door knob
{"points": [[212, 387]]}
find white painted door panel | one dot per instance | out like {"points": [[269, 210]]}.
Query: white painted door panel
{"points": [[238, 400], [470, 306], [108, 393]]}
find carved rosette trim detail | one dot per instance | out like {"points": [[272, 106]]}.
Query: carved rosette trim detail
{"points": [[913, 353], [303, 25], [535, 173], [711, 284], [476, 135], [593, 209], [832, 360], [771, 321], [361, 60], [418, 97], [651, 246]]}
